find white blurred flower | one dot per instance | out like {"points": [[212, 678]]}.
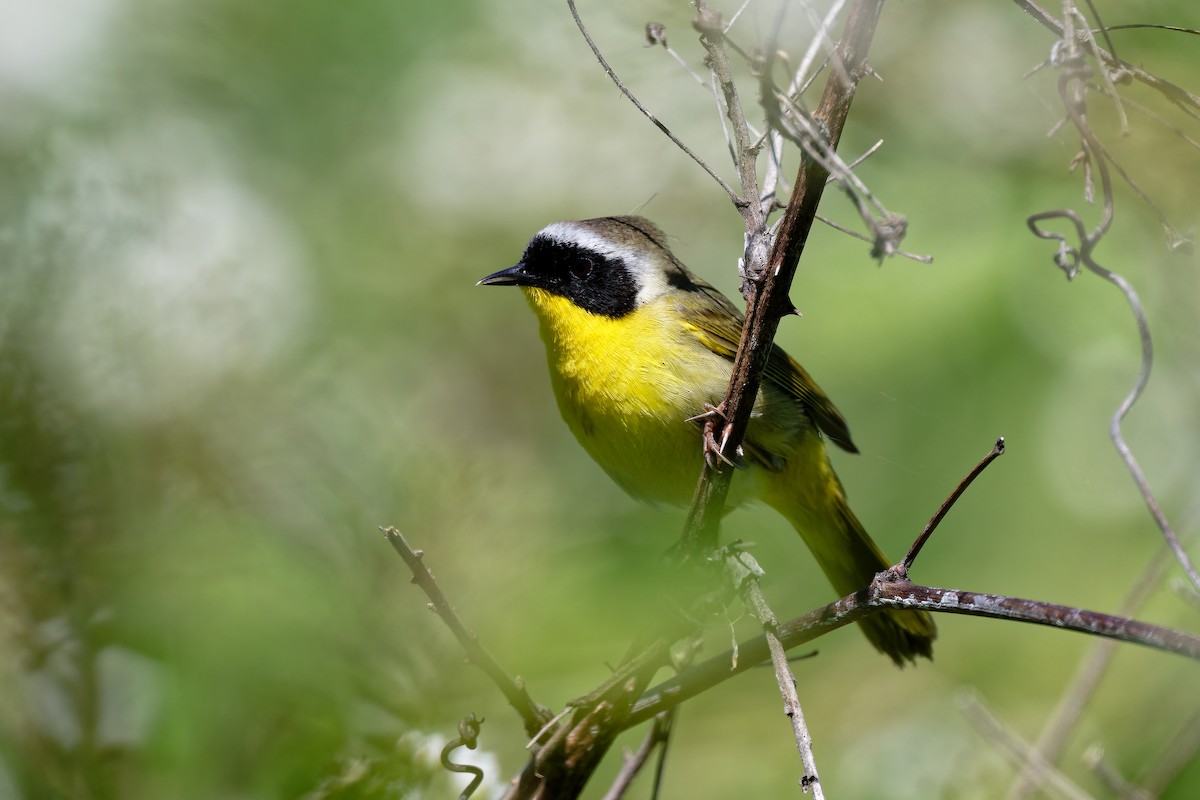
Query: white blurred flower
{"points": [[426, 749], [171, 274]]}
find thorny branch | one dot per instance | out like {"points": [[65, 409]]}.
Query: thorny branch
{"points": [[767, 300], [768, 266]]}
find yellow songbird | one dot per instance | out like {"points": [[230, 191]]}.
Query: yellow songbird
{"points": [[637, 345]]}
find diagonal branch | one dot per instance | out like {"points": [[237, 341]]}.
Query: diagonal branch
{"points": [[533, 715], [608, 70], [768, 292]]}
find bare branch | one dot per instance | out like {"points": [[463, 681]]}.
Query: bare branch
{"points": [[533, 715], [902, 594], [1186, 101], [915, 550], [1017, 751], [1055, 735], [768, 291], [712, 37], [757, 602], [645, 111], [660, 733]]}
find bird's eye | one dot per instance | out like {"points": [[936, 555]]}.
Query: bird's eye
{"points": [[581, 268]]}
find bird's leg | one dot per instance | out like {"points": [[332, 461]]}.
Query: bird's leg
{"points": [[711, 447]]}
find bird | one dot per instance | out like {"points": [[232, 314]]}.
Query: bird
{"points": [[638, 346]]}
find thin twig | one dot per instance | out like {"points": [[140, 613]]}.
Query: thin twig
{"points": [[1105, 74], [1016, 750], [733, 196], [996, 451], [796, 87], [757, 603], [659, 734], [1181, 750], [1112, 779], [904, 595], [712, 37], [1056, 733], [837, 226], [888, 228], [533, 715], [1185, 100]]}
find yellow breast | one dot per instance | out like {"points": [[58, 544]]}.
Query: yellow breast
{"points": [[626, 388]]}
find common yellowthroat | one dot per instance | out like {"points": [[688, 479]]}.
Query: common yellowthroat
{"points": [[637, 345]]}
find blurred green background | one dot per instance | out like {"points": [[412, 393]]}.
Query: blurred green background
{"points": [[239, 330]]}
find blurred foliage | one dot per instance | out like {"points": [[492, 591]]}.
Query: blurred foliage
{"points": [[238, 331]]}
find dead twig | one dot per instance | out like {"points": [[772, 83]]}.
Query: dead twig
{"points": [[533, 715], [902, 594], [915, 550], [757, 603], [608, 70], [1017, 750], [657, 739], [1055, 735]]}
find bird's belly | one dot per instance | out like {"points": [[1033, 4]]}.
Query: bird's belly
{"points": [[630, 412], [653, 454]]}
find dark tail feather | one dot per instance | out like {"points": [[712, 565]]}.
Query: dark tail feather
{"points": [[813, 501]]}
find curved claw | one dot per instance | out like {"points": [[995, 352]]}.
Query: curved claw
{"points": [[714, 450]]}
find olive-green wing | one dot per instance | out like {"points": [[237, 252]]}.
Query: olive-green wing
{"points": [[718, 326]]}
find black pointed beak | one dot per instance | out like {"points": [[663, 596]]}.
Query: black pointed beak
{"points": [[513, 276]]}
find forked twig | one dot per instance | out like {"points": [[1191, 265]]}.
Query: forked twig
{"points": [[1056, 734], [658, 738], [1017, 751], [608, 70]]}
